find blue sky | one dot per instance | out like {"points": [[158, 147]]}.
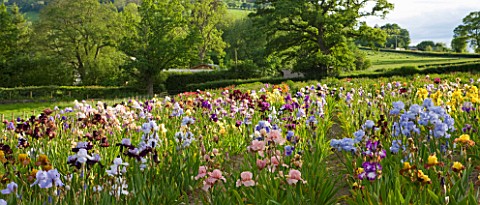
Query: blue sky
{"points": [[428, 19]]}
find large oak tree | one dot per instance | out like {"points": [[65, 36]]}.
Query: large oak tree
{"points": [[159, 40], [316, 35], [83, 34]]}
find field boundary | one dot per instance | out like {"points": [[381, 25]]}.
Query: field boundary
{"points": [[426, 53]]}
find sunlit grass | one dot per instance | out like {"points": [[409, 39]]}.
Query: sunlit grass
{"points": [[389, 60]]}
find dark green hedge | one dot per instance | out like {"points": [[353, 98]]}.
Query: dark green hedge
{"points": [[412, 70], [226, 83], [433, 54], [38, 93], [402, 71], [178, 82]]}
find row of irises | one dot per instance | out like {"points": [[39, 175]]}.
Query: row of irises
{"points": [[278, 129], [426, 147]]}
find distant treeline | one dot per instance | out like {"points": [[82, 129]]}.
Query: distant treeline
{"points": [[131, 42]]}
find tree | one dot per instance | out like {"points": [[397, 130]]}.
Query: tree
{"points": [[470, 30], [245, 41], [459, 41], [459, 45], [83, 34], [206, 17], [315, 36], [396, 36], [424, 44], [14, 36], [440, 47], [159, 41]]}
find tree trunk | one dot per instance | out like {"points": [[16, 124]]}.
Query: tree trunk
{"points": [[150, 86], [201, 55]]}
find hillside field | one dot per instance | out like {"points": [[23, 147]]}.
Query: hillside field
{"points": [[384, 61]]}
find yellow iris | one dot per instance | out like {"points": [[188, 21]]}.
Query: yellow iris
{"points": [[422, 177], [2, 156], [457, 167], [359, 171], [432, 160], [437, 98], [464, 138], [422, 93], [222, 131], [22, 157]]}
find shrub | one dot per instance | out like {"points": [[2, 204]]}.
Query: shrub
{"points": [[404, 70], [246, 69], [361, 61], [177, 82], [226, 83]]}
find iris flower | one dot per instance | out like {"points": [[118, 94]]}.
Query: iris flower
{"points": [[11, 188], [246, 179], [46, 179]]}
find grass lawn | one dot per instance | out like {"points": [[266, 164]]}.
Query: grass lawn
{"points": [[384, 61], [28, 109], [31, 16], [236, 14]]}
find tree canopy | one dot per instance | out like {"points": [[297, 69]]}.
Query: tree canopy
{"points": [[315, 35], [14, 38], [459, 42], [426, 45], [84, 35], [469, 31], [397, 37], [206, 17], [160, 40]]}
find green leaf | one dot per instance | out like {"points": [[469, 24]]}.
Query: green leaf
{"points": [[434, 196]]}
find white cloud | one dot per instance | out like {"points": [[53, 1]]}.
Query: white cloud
{"points": [[428, 19]]}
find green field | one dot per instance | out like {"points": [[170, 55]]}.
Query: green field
{"points": [[233, 14], [236, 14], [389, 60], [32, 16], [15, 110]]}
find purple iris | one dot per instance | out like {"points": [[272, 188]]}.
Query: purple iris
{"points": [[10, 126], [289, 150], [359, 135], [214, 117], [290, 134], [369, 124], [467, 128], [206, 104], [467, 107], [288, 98], [370, 170], [264, 106], [396, 145], [238, 123]]}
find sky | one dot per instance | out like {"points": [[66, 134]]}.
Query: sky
{"points": [[428, 19]]}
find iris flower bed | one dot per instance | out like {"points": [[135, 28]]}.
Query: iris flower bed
{"points": [[349, 141]]}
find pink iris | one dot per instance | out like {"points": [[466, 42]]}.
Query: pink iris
{"points": [[202, 171], [212, 179], [246, 179], [257, 146], [294, 176]]}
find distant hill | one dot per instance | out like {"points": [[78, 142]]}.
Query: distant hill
{"points": [[36, 5], [234, 12]]}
